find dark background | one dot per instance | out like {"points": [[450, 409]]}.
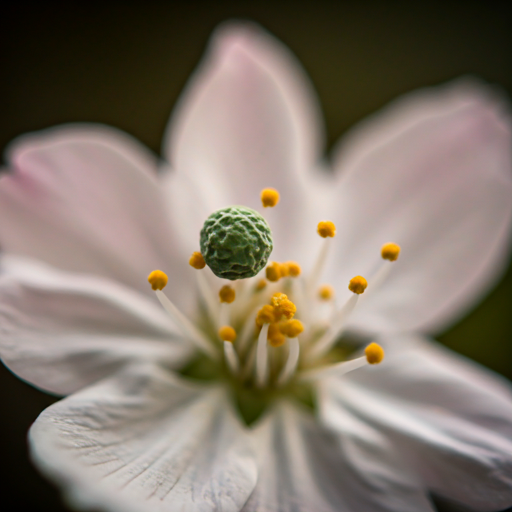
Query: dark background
{"points": [[124, 64]]}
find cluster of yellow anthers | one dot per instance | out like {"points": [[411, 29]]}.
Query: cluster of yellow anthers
{"points": [[276, 270], [279, 315], [276, 318]]}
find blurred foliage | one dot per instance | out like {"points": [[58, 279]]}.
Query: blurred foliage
{"points": [[124, 64]]}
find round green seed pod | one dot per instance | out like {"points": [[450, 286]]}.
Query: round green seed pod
{"points": [[236, 242]]}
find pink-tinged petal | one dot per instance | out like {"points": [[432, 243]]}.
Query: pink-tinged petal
{"points": [[144, 441], [433, 174], [62, 331], [449, 419], [247, 120], [87, 199], [303, 467]]}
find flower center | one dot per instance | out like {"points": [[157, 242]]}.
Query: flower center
{"points": [[273, 336]]}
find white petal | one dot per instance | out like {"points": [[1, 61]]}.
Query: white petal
{"points": [[450, 420], [433, 174], [62, 331], [87, 199], [372, 456], [302, 469], [247, 120], [145, 441]]}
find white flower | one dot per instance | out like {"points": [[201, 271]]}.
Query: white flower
{"points": [[431, 173]]}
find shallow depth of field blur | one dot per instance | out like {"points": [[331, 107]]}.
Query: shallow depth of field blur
{"points": [[124, 64]]}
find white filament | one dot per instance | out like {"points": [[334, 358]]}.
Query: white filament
{"points": [[224, 314], [316, 272], [291, 362], [208, 295], [231, 357], [262, 357], [339, 321], [335, 370], [186, 327]]}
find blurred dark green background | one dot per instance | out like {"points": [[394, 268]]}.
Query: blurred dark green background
{"points": [[124, 64]]}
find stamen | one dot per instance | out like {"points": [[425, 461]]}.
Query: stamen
{"points": [[262, 357], [231, 357], [338, 322], [389, 253], [158, 280], [326, 292], [374, 354], [227, 333], [326, 229], [273, 272], [291, 362], [197, 261], [269, 197], [186, 327]]}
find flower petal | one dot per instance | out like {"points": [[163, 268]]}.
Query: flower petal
{"points": [[449, 419], [63, 331], [87, 199], [302, 468], [433, 174], [145, 441], [247, 120]]}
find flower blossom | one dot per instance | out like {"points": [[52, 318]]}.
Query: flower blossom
{"points": [[257, 395]]}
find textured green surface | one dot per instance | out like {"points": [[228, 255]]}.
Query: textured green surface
{"points": [[236, 242]]}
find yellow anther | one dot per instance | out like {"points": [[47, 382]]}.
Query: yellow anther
{"points": [[227, 333], [273, 272], [326, 292], [390, 252], [261, 285], [275, 337], [269, 197], [283, 306], [197, 260], [283, 268], [287, 308], [326, 228], [266, 315], [157, 279], [293, 268], [227, 294], [291, 328], [277, 298], [358, 285], [374, 353]]}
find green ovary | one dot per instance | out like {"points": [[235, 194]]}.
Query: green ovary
{"points": [[236, 242]]}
